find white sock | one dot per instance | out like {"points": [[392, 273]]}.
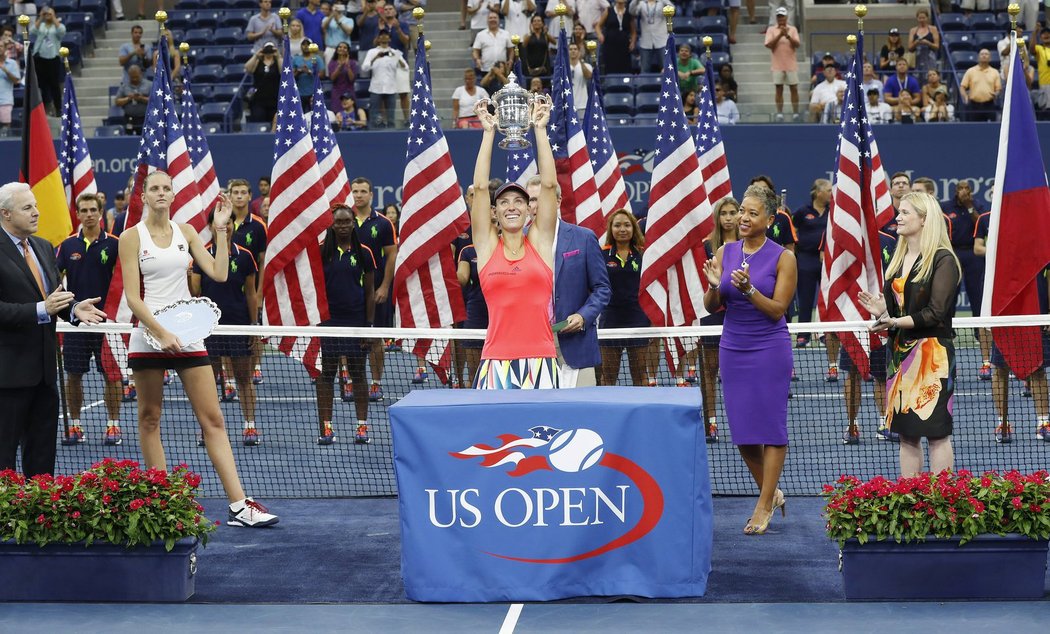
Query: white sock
{"points": [[112, 423], [238, 505], [249, 424]]}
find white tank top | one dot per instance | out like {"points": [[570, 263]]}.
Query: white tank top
{"points": [[164, 279]]}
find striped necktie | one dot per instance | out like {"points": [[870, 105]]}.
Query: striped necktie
{"points": [[33, 268]]}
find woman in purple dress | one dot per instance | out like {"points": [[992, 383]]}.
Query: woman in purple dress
{"points": [[754, 279]]}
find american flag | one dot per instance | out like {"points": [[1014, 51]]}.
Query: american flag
{"points": [[293, 280], [200, 154], [162, 147], [521, 164], [860, 204], [433, 214], [679, 214], [604, 161], [709, 147], [329, 158], [74, 159], [580, 203]]}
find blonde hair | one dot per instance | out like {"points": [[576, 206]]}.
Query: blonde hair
{"points": [[718, 237], [934, 237]]}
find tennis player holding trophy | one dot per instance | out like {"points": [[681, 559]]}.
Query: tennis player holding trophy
{"points": [[171, 329]]}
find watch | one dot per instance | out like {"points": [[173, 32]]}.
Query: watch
{"points": [[751, 291]]}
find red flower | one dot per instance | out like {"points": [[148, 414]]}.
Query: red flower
{"points": [[75, 514], [41, 519], [136, 504], [1016, 502]]}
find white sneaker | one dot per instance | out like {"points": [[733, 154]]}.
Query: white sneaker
{"points": [[779, 118], [252, 515]]}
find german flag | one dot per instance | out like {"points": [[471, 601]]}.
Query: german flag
{"points": [[40, 164]]}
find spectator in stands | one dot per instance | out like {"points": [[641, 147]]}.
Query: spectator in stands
{"points": [[133, 96], [236, 297], [306, 66], [479, 10], [689, 69], [393, 214], [979, 89], [537, 86], [516, 17], [464, 98], [728, 81], [399, 30], [916, 308], [818, 69], [1029, 15], [1041, 56], [940, 109], [579, 36], [368, 25], [591, 14], [624, 244], [878, 111], [653, 32], [833, 110], [1004, 56], [925, 41], [135, 52], [926, 184], [382, 62], [537, 52], [265, 69], [295, 35], [349, 272], [48, 31], [10, 46], [264, 27], [728, 113], [776, 6], [10, 76], [311, 17], [496, 78], [337, 30], [690, 107], [906, 111], [554, 24], [899, 81], [405, 8], [264, 213], [782, 40], [933, 82], [491, 45], [620, 32], [870, 80], [342, 70], [892, 51], [264, 191], [825, 93], [580, 71]]}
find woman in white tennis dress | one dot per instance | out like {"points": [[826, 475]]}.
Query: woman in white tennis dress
{"points": [[155, 256]]}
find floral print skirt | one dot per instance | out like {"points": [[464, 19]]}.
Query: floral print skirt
{"points": [[921, 385]]}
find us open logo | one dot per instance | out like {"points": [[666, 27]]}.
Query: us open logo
{"points": [[566, 454]]}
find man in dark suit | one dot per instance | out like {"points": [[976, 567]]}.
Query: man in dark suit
{"points": [[581, 292], [30, 302]]}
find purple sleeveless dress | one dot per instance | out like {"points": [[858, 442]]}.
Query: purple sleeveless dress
{"points": [[754, 352]]}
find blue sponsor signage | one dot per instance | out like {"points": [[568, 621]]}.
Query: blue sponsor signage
{"points": [[540, 495]]}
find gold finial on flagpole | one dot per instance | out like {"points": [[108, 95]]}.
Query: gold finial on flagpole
{"points": [[708, 41], [23, 21], [668, 15], [851, 40], [314, 48], [426, 49], [285, 14], [161, 17], [560, 11], [860, 11], [592, 50], [1014, 10], [417, 15], [515, 40], [63, 52], [184, 48]]}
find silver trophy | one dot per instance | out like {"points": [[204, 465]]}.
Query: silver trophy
{"points": [[513, 106]]}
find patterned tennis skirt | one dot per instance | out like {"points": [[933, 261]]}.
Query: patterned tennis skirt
{"points": [[517, 374]]}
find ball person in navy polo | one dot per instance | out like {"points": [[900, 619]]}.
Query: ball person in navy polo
{"points": [[249, 231], [231, 355], [376, 232], [86, 259]]}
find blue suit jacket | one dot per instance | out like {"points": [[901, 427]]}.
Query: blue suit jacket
{"points": [[581, 285]]}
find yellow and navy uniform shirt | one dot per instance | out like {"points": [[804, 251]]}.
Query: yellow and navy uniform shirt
{"points": [[782, 231], [378, 234], [88, 265], [229, 296], [344, 284], [250, 233]]}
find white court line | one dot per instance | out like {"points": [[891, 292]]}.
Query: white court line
{"points": [[511, 620]]}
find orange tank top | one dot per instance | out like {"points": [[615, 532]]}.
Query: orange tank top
{"points": [[518, 294]]}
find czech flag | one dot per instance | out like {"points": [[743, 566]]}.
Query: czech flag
{"points": [[1019, 226], [40, 165]]}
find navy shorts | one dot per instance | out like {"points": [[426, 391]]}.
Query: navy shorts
{"points": [[384, 315], [352, 347], [77, 348], [876, 361], [997, 360], [228, 346]]}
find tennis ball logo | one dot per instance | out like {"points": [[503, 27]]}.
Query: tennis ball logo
{"points": [[574, 450]]}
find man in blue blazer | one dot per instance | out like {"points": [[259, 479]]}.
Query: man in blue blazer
{"points": [[581, 292]]}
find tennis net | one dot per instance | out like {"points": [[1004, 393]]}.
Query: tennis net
{"points": [[289, 462]]}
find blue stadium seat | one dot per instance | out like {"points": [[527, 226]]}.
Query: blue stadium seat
{"points": [[224, 93], [649, 119], [244, 4], [987, 39], [233, 73], [958, 40], [63, 6], [684, 25], [206, 19], [1002, 21], [212, 127], [181, 20], [720, 59], [618, 103], [617, 122], [647, 103], [648, 83], [996, 61], [191, 5], [81, 22], [236, 18], [211, 55], [202, 93], [241, 54], [618, 83], [97, 8], [207, 74], [961, 60], [954, 22], [229, 36], [720, 43], [223, 4], [109, 130], [115, 116], [212, 112], [74, 41], [198, 37], [983, 22], [712, 24], [361, 89], [257, 128]]}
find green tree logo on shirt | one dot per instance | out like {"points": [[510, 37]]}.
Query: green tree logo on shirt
{"points": [[105, 256], [248, 239], [885, 255], [634, 265], [353, 260], [233, 266], [375, 232], [776, 231]]}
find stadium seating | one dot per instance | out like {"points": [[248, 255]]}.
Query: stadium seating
{"points": [[619, 103], [983, 22], [257, 128], [212, 112], [710, 24], [207, 73], [618, 83], [961, 60], [210, 55], [959, 40], [241, 54], [115, 116], [97, 8], [63, 6], [74, 41], [987, 39], [181, 20], [109, 130], [224, 93], [648, 83], [720, 59], [233, 73], [197, 37], [954, 22], [228, 35], [201, 94], [647, 103], [191, 5], [685, 25]]}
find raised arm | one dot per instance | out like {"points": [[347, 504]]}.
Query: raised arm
{"points": [[481, 226], [545, 225], [217, 268]]}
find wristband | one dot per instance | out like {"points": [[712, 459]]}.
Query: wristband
{"points": [[749, 292], [713, 287]]}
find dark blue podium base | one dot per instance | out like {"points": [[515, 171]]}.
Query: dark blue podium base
{"points": [[989, 567], [100, 572]]}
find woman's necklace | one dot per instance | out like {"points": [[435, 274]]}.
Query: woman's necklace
{"points": [[748, 256], [513, 252]]}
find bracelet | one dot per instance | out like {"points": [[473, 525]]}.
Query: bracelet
{"points": [[713, 287], [751, 291]]}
